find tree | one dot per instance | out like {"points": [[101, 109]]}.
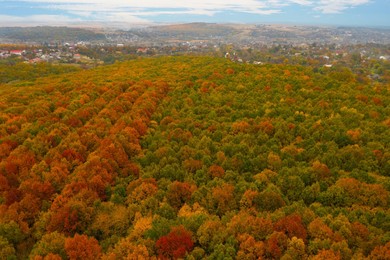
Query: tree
{"points": [[176, 244], [244, 222], [292, 187], [296, 249], [113, 220], [74, 214], [250, 248], [292, 226], [320, 170], [30, 206], [360, 235], [240, 127], [381, 252], [7, 251], [318, 229], [216, 171], [179, 193], [266, 127], [247, 200], [48, 257], [192, 165], [327, 255], [51, 243], [126, 249], [224, 198], [146, 189], [269, 200], [82, 247], [143, 224], [276, 244], [211, 233], [11, 232], [274, 161]]}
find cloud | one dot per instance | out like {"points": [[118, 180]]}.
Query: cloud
{"points": [[144, 11], [302, 2], [120, 18], [337, 6], [37, 20], [150, 6], [249, 6]]}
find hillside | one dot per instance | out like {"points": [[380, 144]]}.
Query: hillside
{"points": [[193, 31], [243, 35], [36, 34], [196, 158]]}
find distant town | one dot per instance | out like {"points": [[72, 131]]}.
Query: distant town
{"points": [[66, 53], [255, 44]]}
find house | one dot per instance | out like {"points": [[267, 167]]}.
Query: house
{"points": [[16, 52], [35, 60], [4, 54], [77, 57], [142, 50]]}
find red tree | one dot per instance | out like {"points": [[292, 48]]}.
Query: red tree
{"points": [[292, 226], [82, 247], [175, 244]]}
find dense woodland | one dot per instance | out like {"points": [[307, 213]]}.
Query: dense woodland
{"points": [[194, 158], [21, 73]]}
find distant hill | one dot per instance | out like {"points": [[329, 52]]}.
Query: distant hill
{"points": [[47, 33], [195, 29], [211, 32], [264, 33]]}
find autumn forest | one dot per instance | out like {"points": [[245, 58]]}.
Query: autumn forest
{"points": [[193, 158]]}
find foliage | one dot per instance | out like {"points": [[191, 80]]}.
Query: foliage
{"points": [[175, 245], [82, 247], [194, 157], [27, 73]]}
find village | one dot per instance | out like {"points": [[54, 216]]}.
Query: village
{"points": [[254, 44], [91, 54], [66, 53]]}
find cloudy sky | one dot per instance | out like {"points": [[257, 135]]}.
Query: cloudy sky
{"points": [[135, 12]]}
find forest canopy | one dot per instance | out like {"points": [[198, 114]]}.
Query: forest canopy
{"points": [[195, 158]]}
